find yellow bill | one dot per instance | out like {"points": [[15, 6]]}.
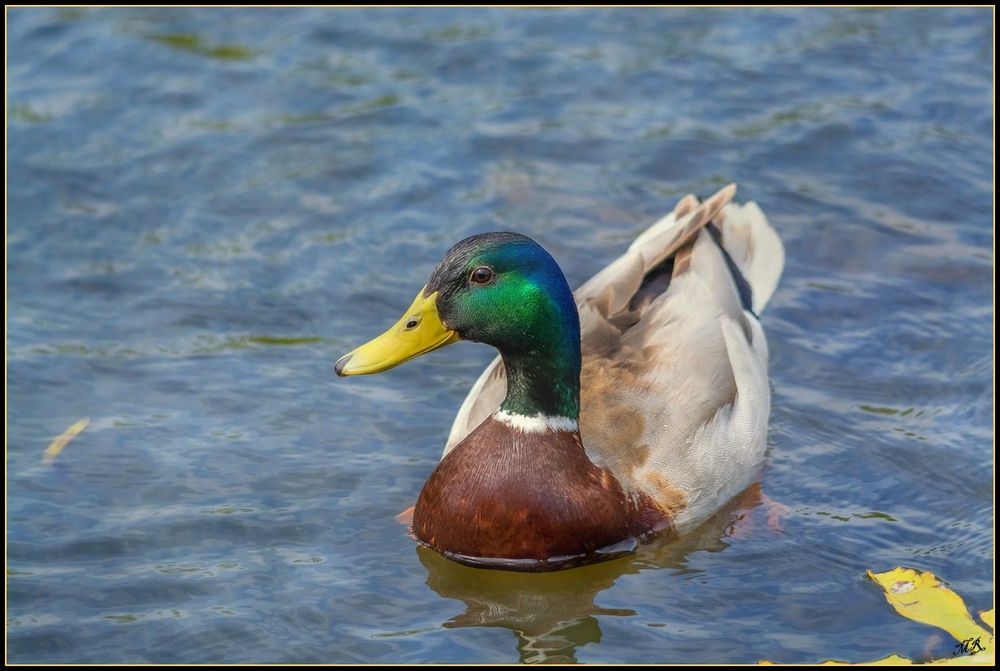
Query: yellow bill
{"points": [[417, 332]]}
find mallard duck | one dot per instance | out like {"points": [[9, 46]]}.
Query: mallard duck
{"points": [[635, 407]]}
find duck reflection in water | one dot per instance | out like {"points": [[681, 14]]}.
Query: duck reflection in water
{"points": [[553, 614]]}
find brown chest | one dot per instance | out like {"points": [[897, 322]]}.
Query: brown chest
{"points": [[522, 498]]}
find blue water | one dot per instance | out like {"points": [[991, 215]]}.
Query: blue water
{"points": [[206, 207]]}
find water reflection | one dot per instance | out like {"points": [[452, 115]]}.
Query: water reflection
{"points": [[553, 614], [550, 613]]}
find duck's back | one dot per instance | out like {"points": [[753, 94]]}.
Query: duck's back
{"points": [[674, 393]]}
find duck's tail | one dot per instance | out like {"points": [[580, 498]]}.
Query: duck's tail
{"points": [[754, 247], [663, 250]]}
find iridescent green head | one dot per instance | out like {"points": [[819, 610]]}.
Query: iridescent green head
{"points": [[505, 290]]}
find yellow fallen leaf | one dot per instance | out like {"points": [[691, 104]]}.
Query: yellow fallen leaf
{"points": [[891, 660], [981, 659], [923, 598], [57, 445]]}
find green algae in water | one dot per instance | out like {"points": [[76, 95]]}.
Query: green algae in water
{"points": [[192, 43]]}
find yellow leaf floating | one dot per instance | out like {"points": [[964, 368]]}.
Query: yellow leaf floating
{"points": [[891, 660], [53, 450], [923, 598]]}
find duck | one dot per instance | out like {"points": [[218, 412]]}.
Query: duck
{"points": [[628, 410]]}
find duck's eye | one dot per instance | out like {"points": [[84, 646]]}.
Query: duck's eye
{"points": [[411, 323], [481, 275]]}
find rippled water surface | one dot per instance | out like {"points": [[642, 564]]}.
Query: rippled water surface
{"points": [[206, 207]]}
